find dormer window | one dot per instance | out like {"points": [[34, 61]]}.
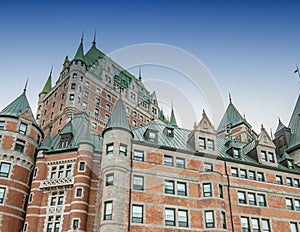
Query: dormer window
{"points": [[202, 143], [271, 157], [169, 132], [152, 136], [228, 129], [65, 140], [210, 145], [290, 164], [236, 153], [263, 156]]}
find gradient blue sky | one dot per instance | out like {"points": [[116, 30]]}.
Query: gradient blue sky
{"points": [[250, 47]]}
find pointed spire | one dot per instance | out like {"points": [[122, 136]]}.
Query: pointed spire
{"points": [[230, 100], [94, 41], [140, 72], [48, 85], [46, 145], [79, 53], [118, 118], [82, 35], [25, 87], [172, 118]]}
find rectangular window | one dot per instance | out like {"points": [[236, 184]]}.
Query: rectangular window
{"points": [[265, 225], [202, 143], [138, 182], [297, 204], [255, 224], [223, 218], [183, 218], [236, 153], [79, 192], [168, 160], [209, 219], [152, 136], [263, 156], [242, 197], [181, 189], [289, 181], [207, 191], [123, 150], [245, 224], [294, 227], [75, 224], [170, 217], [137, 213], [210, 145], [251, 199], [109, 179], [243, 173], [20, 145], [208, 167], [138, 155], [296, 183], [73, 86], [234, 172], [221, 194], [71, 97], [2, 195], [96, 112], [260, 176], [289, 203], [86, 94], [108, 207], [261, 200], [251, 175], [107, 107], [180, 162], [279, 180], [169, 187], [109, 149], [23, 128], [4, 169], [271, 157], [97, 101], [57, 198], [2, 124], [53, 224], [82, 166]]}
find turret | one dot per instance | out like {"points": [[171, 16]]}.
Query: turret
{"points": [[20, 136], [115, 170]]}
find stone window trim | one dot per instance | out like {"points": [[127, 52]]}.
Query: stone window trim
{"points": [[207, 189], [75, 223], [2, 194], [173, 218], [81, 166], [137, 213], [209, 219], [108, 210], [79, 192], [5, 169], [252, 198], [178, 188]]}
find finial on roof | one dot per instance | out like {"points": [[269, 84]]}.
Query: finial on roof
{"points": [[140, 72], [271, 133], [94, 41], [82, 35], [297, 71], [25, 87], [262, 126], [230, 100]]}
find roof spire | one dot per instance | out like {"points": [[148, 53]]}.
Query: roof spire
{"points": [[82, 35], [94, 41], [230, 100], [140, 72], [25, 87], [172, 118]]}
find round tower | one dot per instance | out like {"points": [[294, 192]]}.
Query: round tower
{"points": [[19, 138], [115, 171]]}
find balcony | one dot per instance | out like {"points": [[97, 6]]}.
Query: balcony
{"points": [[57, 183]]}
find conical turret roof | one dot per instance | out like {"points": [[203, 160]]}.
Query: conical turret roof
{"points": [[48, 85], [172, 122], [295, 125], [79, 53]]}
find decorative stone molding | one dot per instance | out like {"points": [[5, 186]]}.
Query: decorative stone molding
{"points": [[61, 161], [19, 159], [57, 183]]}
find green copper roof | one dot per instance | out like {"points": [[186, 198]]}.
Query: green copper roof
{"points": [[161, 116], [48, 86], [118, 117], [231, 117], [285, 156], [295, 125], [93, 55], [79, 54], [280, 126], [173, 122], [19, 105], [46, 143]]}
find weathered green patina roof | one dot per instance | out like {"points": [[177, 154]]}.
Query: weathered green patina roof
{"points": [[280, 126], [93, 55], [231, 117], [285, 156], [118, 117], [172, 122], [46, 145], [295, 125], [48, 86], [19, 105], [79, 55], [161, 116]]}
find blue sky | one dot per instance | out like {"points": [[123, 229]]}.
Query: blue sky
{"points": [[250, 48]]}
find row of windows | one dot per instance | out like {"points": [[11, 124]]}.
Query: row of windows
{"points": [[172, 216], [206, 144], [255, 224], [251, 198], [292, 204], [267, 158], [289, 181], [247, 174], [294, 227], [22, 127]]}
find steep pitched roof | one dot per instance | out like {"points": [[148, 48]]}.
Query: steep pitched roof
{"points": [[295, 125], [118, 117], [79, 53], [46, 145], [280, 126], [48, 85], [172, 122], [231, 117], [93, 55], [18, 106]]}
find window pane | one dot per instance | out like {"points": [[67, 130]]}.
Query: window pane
{"points": [[209, 219], [180, 162], [138, 155], [169, 187], [207, 190], [182, 218], [170, 217], [181, 189], [137, 213]]}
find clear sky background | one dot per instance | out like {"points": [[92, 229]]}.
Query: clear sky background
{"points": [[251, 48]]}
